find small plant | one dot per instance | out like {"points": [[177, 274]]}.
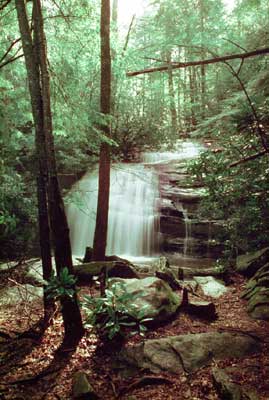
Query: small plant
{"points": [[62, 285], [115, 314]]}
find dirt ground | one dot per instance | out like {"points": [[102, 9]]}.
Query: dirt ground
{"points": [[30, 368]]}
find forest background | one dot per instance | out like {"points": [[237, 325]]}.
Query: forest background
{"points": [[225, 103]]}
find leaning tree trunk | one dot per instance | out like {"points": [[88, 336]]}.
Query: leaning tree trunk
{"points": [[100, 236], [41, 153], [58, 221]]}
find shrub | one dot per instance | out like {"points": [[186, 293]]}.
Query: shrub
{"points": [[114, 315]]}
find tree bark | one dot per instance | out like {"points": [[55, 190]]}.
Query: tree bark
{"points": [[36, 65], [192, 96], [58, 221], [203, 55], [172, 103], [100, 236], [41, 153]]}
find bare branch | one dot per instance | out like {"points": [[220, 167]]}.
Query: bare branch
{"points": [[10, 60], [235, 44], [9, 49], [4, 4], [128, 35], [240, 66], [178, 65], [249, 158]]}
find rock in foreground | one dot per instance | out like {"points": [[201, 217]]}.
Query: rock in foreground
{"points": [[188, 352]]}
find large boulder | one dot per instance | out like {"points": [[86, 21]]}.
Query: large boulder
{"points": [[113, 269], [153, 295], [249, 264], [256, 293], [188, 353], [210, 286], [258, 305]]}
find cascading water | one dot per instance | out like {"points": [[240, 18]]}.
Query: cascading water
{"points": [[187, 248], [133, 217], [140, 196]]}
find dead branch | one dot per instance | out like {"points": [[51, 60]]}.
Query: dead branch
{"points": [[249, 158], [10, 60], [235, 44], [128, 36], [214, 60], [4, 4], [9, 49]]}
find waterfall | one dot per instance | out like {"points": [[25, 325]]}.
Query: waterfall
{"points": [[182, 151], [133, 218], [140, 196]]}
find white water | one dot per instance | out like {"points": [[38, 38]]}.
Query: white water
{"points": [[182, 151], [133, 218], [133, 226]]}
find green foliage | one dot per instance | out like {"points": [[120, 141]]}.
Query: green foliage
{"points": [[114, 314], [61, 286], [17, 215], [236, 195]]}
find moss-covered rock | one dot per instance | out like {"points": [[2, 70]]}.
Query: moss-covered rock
{"points": [[113, 269], [249, 264], [153, 295], [257, 293], [188, 353]]}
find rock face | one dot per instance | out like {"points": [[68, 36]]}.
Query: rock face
{"points": [[188, 352], [180, 227], [155, 295], [248, 264], [257, 294]]}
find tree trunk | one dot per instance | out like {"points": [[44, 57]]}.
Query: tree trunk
{"points": [[203, 55], [58, 221], [36, 65], [172, 103], [31, 62], [185, 100], [100, 236], [192, 99]]}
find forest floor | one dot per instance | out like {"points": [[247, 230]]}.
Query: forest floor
{"points": [[30, 368]]}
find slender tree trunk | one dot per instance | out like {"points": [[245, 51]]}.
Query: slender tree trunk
{"points": [[100, 236], [203, 90], [192, 98], [115, 14], [32, 67], [58, 221], [185, 99], [203, 56], [172, 103]]}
